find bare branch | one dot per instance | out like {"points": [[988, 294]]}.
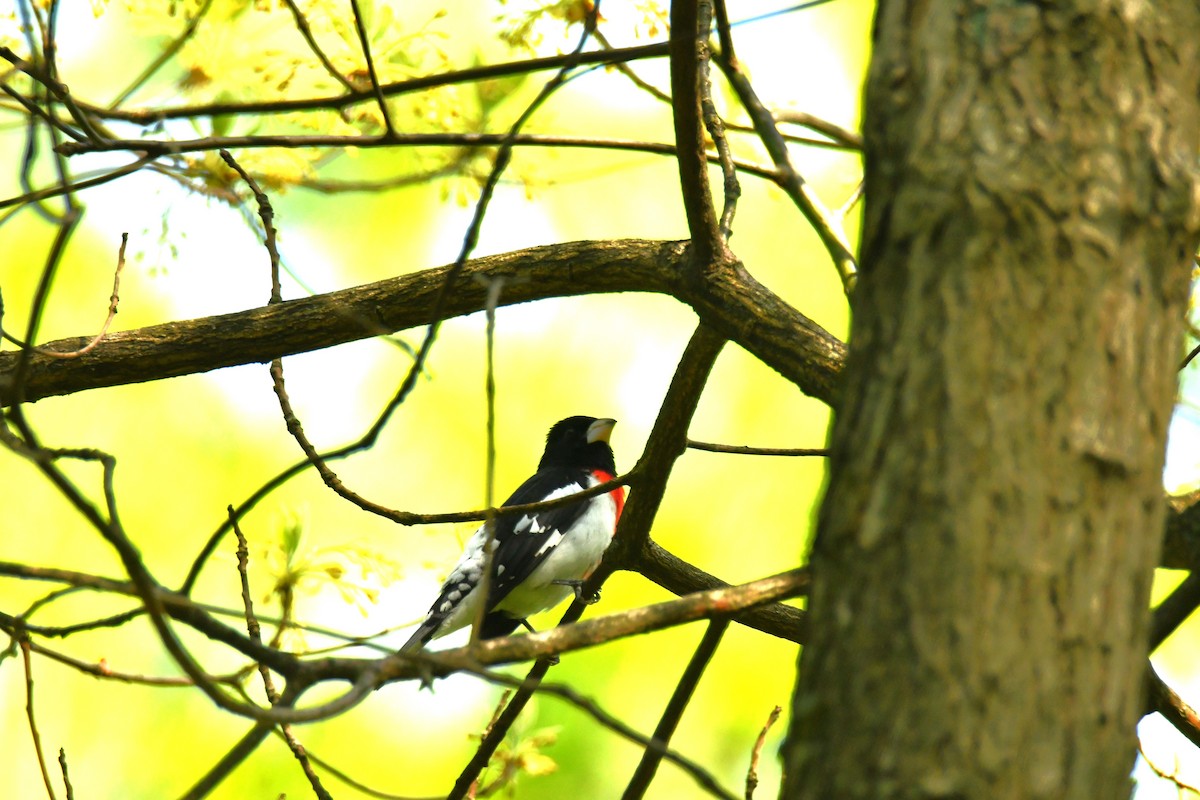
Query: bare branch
{"points": [[671, 715], [696, 771], [58, 189], [1174, 709], [752, 772], [681, 578], [365, 42], [29, 715], [846, 138], [746, 450], [1175, 609], [104, 672], [827, 227], [239, 752], [729, 301], [336, 103], [1172, 776], [62, 763], [113, 299], [310, 40], [688, 52], [166, 55], [716, 128]]}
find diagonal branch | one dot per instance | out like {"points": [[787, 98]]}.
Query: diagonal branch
{"points": [[671, 715]]}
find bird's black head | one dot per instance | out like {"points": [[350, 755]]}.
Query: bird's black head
{"points": [[580, 442]]}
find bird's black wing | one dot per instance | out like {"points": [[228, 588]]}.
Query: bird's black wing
{"points": [[523, 541]]}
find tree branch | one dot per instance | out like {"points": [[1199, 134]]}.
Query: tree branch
{"points": [[728, 300], [688, 52], [671, 715], [730, 601]]}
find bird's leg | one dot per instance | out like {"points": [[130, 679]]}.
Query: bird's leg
{"points": [[577, 585], [552, 659]]}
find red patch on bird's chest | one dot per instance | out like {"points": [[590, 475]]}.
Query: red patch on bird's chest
{"points": [[618, 494]]}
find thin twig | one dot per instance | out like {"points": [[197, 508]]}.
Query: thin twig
{"points": [[853, 200], [311, 41], [37, 111], [62, 763], [33, 728], [853, 143], [267, 214], [490, 742], [57, 190], [21, 372], [113, 299], [104, 672], [456, 139], [1188, 358], [1172, 776], [498, 730], [746, 450], [671, 715], [752, 772], [294, 426], [716, 127], [365, 42], [345, 778], [626, 70], [830, 230], [162, 58], [846, 138], [58, 90], [697, 772], [494, 287], [339, 102], [254, 631], [475, 791]]}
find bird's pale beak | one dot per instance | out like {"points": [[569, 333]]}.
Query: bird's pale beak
{"points": [[600, 430]]}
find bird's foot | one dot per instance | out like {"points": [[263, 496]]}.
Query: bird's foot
{"points": [[577, 585]]}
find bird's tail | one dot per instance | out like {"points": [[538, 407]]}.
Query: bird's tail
{"points": [[421, 636]]}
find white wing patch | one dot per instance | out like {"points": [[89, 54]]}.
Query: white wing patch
{"points": [[528, 524], [551, 541]]}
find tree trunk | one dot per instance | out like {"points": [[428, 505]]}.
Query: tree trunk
{"points": [[985, 549]]}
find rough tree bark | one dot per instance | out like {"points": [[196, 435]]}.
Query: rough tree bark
{"points": [[985, 549]]}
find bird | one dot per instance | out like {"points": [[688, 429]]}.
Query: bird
{"points": [[540, 558]]}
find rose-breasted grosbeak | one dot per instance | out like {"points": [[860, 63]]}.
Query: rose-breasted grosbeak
{"points": [[538, 559]]}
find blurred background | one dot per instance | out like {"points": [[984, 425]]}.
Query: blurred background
{"points": [[189, 447]]}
